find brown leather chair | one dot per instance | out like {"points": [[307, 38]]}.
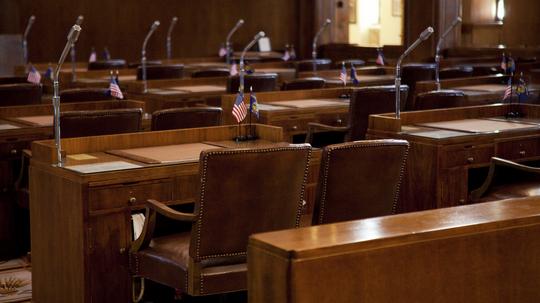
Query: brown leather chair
{"points": [[359, 180], [364, 102], [412, 73], [107, 64], [260, 82], [153, 72], [187, 117], [100, 122], [507, 179], [20, 94], [444, 98], [456, 72], [307, 65], [303, 83], [213, 72], [85, 94], [255, 197]]}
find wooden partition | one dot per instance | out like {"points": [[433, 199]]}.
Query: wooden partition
{"points": [[479, 253]]}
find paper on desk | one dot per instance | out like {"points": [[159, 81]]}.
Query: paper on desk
{"points": [[102, 167]]}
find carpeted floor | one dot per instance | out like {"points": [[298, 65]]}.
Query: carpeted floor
{"points": [[15, 281]]}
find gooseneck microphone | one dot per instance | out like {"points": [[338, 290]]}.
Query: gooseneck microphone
{"points": [[315, 39], [228, 40], [423, 36], [438, 50], [78, 22], [31, 21], [143, 52], [258, 36], [71, 40], [169, 33]]}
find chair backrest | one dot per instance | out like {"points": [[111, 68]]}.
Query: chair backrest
{"points": [[456, 72], [366, 101], [260, 82], [100, 122], [153, 72], [186, 117], [20, 94], [444, 98], [412, 73], [107, 64], [212, 72], [304, 83], [246, 191], [307, 65], [359, 180], [85, 94]]}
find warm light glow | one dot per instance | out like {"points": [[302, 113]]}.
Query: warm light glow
{"points": [[500, 10], [369, 13]]}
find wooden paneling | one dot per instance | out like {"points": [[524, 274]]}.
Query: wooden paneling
{"points": [[122, 25]]}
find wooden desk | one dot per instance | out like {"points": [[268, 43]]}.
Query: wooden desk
{"points": [[367, 76], [480, 253], [81, 222], [296, 112], [448, 157]]}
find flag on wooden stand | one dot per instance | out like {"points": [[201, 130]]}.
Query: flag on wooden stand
{"points": [[343, 74], [93, 56], [34, 76], [115, 89], [234, 69], [253, 105], [508, 90], [354, 76], [239, 110], [380, 57]]}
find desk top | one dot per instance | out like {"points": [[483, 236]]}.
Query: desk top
{"points": [[41, 120], [178, 153], [198, 88], [310, 103], [480, 125]]}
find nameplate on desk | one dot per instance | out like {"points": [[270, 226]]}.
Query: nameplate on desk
{"points": [[102, 167]]}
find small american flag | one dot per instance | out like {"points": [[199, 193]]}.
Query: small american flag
{"points": [[234, 69], [343, 74], [93, 56], [354, 77], [34, 76], [222, 51], [292, 53], [239, 110], [115, 89], [286, 56], [380, 57], [508, 90]]}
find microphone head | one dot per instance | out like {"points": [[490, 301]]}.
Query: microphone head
{"points": [[426, 33], [31, 19], [155, 24], [240, 22], [328, 21], [80, 20], [174, 19], [74, 33], [259, 35]]}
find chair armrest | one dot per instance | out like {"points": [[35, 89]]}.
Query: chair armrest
{"points": [[153, 207], [313, 128]]}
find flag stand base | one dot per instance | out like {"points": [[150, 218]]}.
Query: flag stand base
{"points": [[240, 139]]}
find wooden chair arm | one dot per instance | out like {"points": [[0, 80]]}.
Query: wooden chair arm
{"points": [[479, 192], [313, 128], [153, 207]]}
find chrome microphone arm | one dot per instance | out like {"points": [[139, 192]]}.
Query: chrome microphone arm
{"points": [[438, 50], [78, 22], [315, 39], [169, 33], [71, 39], [143, 53], [228, 40], [423, 36], [31, 21], [258, 36]]}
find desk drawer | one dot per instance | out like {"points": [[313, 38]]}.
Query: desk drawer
{"points": [[334, 119], [129, 195], [294, 124], [467, 155], [518, 149]]}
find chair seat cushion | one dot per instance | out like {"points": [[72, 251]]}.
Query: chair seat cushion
{"points": [[166, 260], [518, 190]]}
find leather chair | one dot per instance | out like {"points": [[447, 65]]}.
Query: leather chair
{"points": [[187, 117], [13, 80], [364, 102], [85, 94], [507, 179], [260, 83], [154, 72], [255, 197], [304, 83], [456, 72], [359, 180], [412, 73], [20, 94], [307, 65], [100, 122], [107, 64], [213, 72], [444, 98], [348, 62]]}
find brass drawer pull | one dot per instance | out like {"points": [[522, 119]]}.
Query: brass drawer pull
{"points": [[132, 200], [339, 121], [522, 153], [470, 159], [294, 127], [13, 151]]}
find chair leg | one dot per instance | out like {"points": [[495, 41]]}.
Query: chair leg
{"points": [[137, 298]]}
